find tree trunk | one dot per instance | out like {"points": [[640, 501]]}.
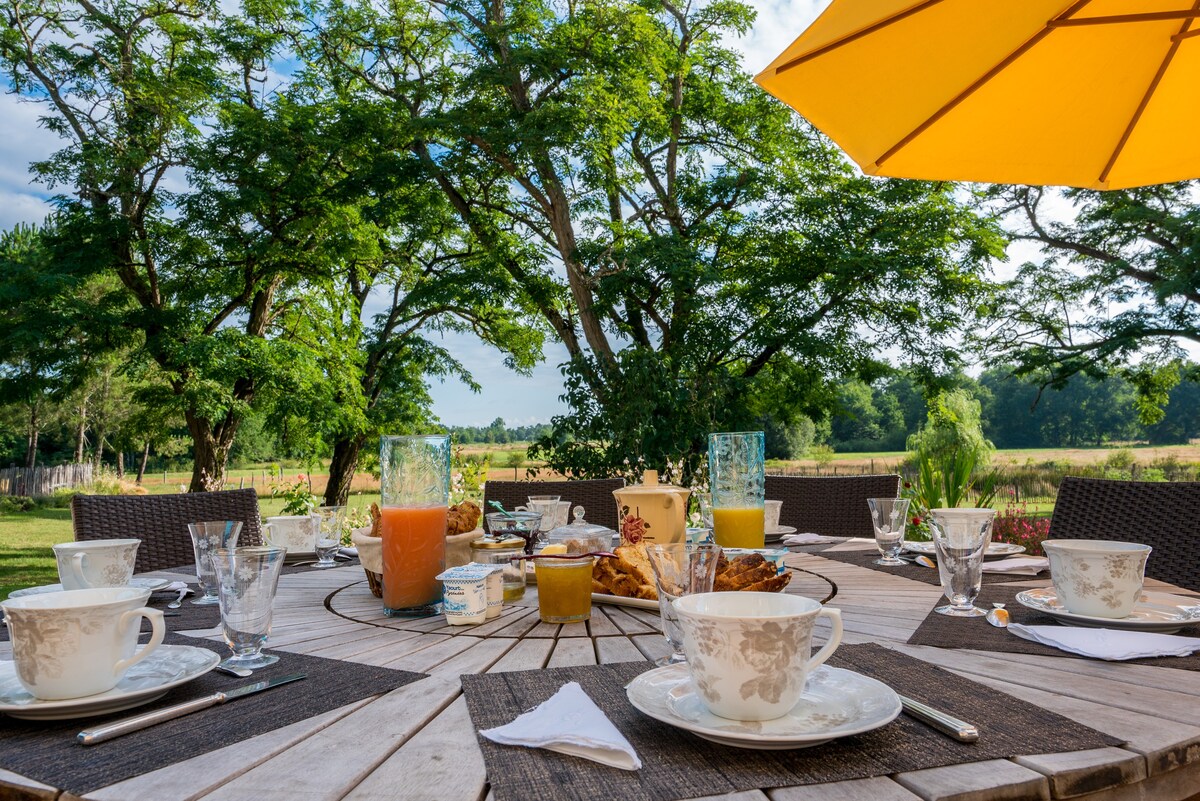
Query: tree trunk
{"points": [[341, 470], [120, 464], [81, 434], [210, 451], [142, 463], [98, 458], [31, 442]]}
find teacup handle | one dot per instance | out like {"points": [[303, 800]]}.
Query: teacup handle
{"points": [[77, 570], [158, 631], [835, 638]]}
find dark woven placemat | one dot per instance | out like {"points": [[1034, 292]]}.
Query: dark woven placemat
{"points": [[676, 764], [977, 634], [928, 575], [47, 751]]}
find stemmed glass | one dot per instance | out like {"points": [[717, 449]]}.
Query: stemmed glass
{"points": [[889, 516], [207, 538], [248, 578], [680, 569], [547, 507], [961, 537], [330, 520]]}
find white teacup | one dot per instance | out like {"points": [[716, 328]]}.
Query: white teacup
{"points": [[771, 511], [79, 642], [1097, 578], [748, 652], [296, 533], [95, 563]]}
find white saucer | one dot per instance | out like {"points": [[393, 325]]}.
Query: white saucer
{"points": [[619, 600], [836, 703], [776, 534], [152, 584], [995, 550], [169, 666], [1156, 611]]}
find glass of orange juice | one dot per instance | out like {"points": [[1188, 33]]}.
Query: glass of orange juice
{"points": [[415, 489], [564, 586], [736, 472]]}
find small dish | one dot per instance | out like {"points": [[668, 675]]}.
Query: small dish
{"points": [[836, 703], [995, 550], [1156, 611], [776, 534], [169, 666], [152, 584], [620, 600]]}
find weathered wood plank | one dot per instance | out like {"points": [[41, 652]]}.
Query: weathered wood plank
{"points": [[994, 780]]}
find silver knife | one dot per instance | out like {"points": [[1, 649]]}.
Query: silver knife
{"points": [[131, 724], [948, 724]]}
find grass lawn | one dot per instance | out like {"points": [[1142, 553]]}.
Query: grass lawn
{"points": [[27, 538]]}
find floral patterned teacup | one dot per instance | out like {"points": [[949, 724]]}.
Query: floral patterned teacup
{"points": [[95, 563], [1097, 578], [748, 652], [79, 642]]}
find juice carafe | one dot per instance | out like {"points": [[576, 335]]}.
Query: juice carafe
{"points": [[736, 475], [415, 490], [652, 512]]}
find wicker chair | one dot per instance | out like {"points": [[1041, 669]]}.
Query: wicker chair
{"points": [[594, 495], [1158, 514], [835, 506], [160, 521]]}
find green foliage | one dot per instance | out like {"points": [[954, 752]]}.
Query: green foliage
{"points": [[297, 496]]}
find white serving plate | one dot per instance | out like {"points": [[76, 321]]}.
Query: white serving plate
{"points": [[836, 703], [995, 550], [152, 584], [169, 666], [1156, 611]]}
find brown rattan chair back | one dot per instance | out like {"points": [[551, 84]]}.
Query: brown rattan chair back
{"points": [[835, 506], [160, 522], [1158, 514], [594, 495]]}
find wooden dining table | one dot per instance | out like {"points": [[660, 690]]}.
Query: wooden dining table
{"points": [[418, 741]]}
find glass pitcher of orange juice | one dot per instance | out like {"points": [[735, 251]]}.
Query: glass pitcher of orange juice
{"points": [[415, 490], [736, 473]]}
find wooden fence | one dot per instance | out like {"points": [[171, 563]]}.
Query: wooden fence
{"points": [[43, 480]]}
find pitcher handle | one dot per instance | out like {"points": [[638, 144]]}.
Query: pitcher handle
{"points": [[835, 638], [157, 627]]}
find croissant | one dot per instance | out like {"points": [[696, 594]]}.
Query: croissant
{"points": [[629, 574]]}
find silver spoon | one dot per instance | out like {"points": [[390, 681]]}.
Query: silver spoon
{"points": [[998, 616], [232, 671], [178, 601]]}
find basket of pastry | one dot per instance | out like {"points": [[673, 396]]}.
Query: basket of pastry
{"points": [[629, 574], [462, 520]]}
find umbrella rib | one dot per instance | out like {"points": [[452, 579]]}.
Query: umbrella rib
{"points": [[850, 37], [987, 76], [1158, 76], [1147, 16]]}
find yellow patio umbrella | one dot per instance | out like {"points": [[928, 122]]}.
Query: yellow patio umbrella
{"points": [[1102, 94]]}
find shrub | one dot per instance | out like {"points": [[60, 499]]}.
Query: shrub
{"points": [[1016, 525], [16, 503]]}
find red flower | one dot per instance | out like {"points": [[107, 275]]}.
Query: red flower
{"points": [[633, 529], [916, 520]]}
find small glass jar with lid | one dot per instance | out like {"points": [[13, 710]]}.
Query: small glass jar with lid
{"points": [[582, 536], [499, 551]]}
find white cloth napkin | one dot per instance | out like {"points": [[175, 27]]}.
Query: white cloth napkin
{"points": [[1018, 565], [348, 551], [805, 538], [1108, 643], [569, 722]]}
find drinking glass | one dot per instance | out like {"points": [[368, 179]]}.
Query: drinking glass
{"points": [[680, 569], [547, 507], [889, 516], [736, 471], [415, 489], [248, 577], [961, 537], [704, 499], [206, 538], [329, 520]]}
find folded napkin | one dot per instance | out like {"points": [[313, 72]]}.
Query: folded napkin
{"points": [[348, 551], [1108, 643], [805, 538], [176, 586], [1018, 565], [569, 722]]}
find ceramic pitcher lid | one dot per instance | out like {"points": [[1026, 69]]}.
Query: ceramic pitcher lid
{"points": [[650, 485]]}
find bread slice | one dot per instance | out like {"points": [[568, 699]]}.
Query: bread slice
{"points": [[775, 583], [632, 560]]}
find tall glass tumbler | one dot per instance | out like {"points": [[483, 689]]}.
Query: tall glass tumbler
{"points": [[415, 485], [206, 538], [961, 537], [248, 577], [680, 569], [736, 475]]}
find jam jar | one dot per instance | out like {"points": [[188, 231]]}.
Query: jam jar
{"points": [[499, 551]]}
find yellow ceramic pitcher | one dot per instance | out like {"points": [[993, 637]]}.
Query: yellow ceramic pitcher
{"points": [[652, 512]]}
